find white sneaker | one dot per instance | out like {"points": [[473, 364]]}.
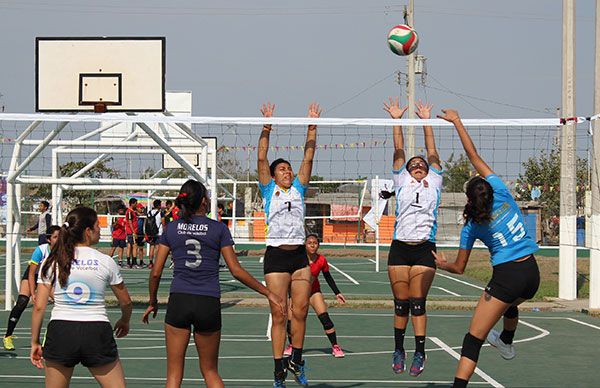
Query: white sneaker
{"points": [[507, 351]]}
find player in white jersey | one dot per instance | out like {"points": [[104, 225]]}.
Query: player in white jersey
{"points": [[411, 265], [27, 286], [285, 261], [79, 329], [492, 216]]}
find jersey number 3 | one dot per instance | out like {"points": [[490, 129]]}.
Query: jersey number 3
{"points": [[195, 251], [516, 230]]}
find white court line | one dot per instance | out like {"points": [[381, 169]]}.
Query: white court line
{"points": [[372, 261], [454, 354], [448, 291], [389, 382], [345, 274], [543, 332], [459, 281], [582, 323]]}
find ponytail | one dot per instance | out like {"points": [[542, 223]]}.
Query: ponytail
{"points": [[191, 197], [480, 198]]}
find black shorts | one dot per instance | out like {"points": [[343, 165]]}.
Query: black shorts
{"points": [[152, 240], [514, 280], [130, 239], [69, 343], [281, 260], [139, 240], [402, 253], [26, 274], [185, 310], [119, 243]]}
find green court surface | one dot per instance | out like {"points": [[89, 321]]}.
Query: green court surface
{"points": [[553, 350]]}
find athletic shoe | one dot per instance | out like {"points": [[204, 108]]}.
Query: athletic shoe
{"points": [[288, 351], [120, 263], [418, 364], [337, 352], [297, 370], [507, 351], [8, 343], [398, 361], [279, 379]]}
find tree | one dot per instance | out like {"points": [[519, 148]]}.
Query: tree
{"points": [[456, 173]]}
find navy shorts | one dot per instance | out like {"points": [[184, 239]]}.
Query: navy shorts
{"points": [[69, 343], [514, 280], [130, 239], [200, 311], [119, 243]]}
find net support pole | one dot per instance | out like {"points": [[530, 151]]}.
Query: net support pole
{"points": [[377, 225], [234, 209], [10, 199], [594, 242], [17, 238], [567, 286]]}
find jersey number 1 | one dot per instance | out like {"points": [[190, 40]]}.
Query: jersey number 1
{"points": [[195, 251], [516, 230]]}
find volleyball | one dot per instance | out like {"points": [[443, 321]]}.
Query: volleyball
{"points": [[403, 40]]}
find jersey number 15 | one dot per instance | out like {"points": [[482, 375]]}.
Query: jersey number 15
{"points": [[516, 230]]}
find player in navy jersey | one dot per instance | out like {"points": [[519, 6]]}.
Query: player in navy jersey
{"points": [[492, 216], [285, 261], [194, 300], [411, 265]]}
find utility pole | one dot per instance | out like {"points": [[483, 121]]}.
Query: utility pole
{"points": [[410, 84], [594, 242], [567, 273]]}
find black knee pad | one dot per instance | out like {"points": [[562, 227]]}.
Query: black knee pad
{"points": [[325, 321], [511, 312], [22, 302], [401, 307], [417, 306], [471, 347]]}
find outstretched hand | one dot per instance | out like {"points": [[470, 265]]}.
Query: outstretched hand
{"points": [[450, 115], [314, 110], [440, 259], [423, 111], [393, 108], [267, 109]]}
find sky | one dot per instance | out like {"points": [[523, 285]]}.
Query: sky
{"points": [[486, 59]]}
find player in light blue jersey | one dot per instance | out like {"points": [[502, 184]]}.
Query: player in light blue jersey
{"points": [[285, 261], [492, 216]]}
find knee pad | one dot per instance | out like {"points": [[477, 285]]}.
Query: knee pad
{"points": [[471, 347], [401, 307], [325, 321], [417, 306], [22, 302], [511, 312]]}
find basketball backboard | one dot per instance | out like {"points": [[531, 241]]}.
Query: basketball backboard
{"points": [[123, 74]]}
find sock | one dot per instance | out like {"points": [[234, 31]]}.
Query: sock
{"points": [[278, 364], [296, 355], [399, 338], [332, 338], [128, 260], [507, 336], [420, 343], [459, 383], [289, 331]]}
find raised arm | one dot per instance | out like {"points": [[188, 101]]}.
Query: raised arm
{"points": [[264, 174], [393, 108], [309, 148], [433, 158], [480, 165]]}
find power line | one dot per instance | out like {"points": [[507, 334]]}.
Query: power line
{"points": [[361, 92]]}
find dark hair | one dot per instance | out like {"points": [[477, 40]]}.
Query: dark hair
{"points": [[71, 233], [168, 202], [417, 157], [132, 201], [313, 235], [275, 163], [480, 197], [220, 206], [52, 229], [156, 203], [190, 198], [386, 194], [45, 203]]}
